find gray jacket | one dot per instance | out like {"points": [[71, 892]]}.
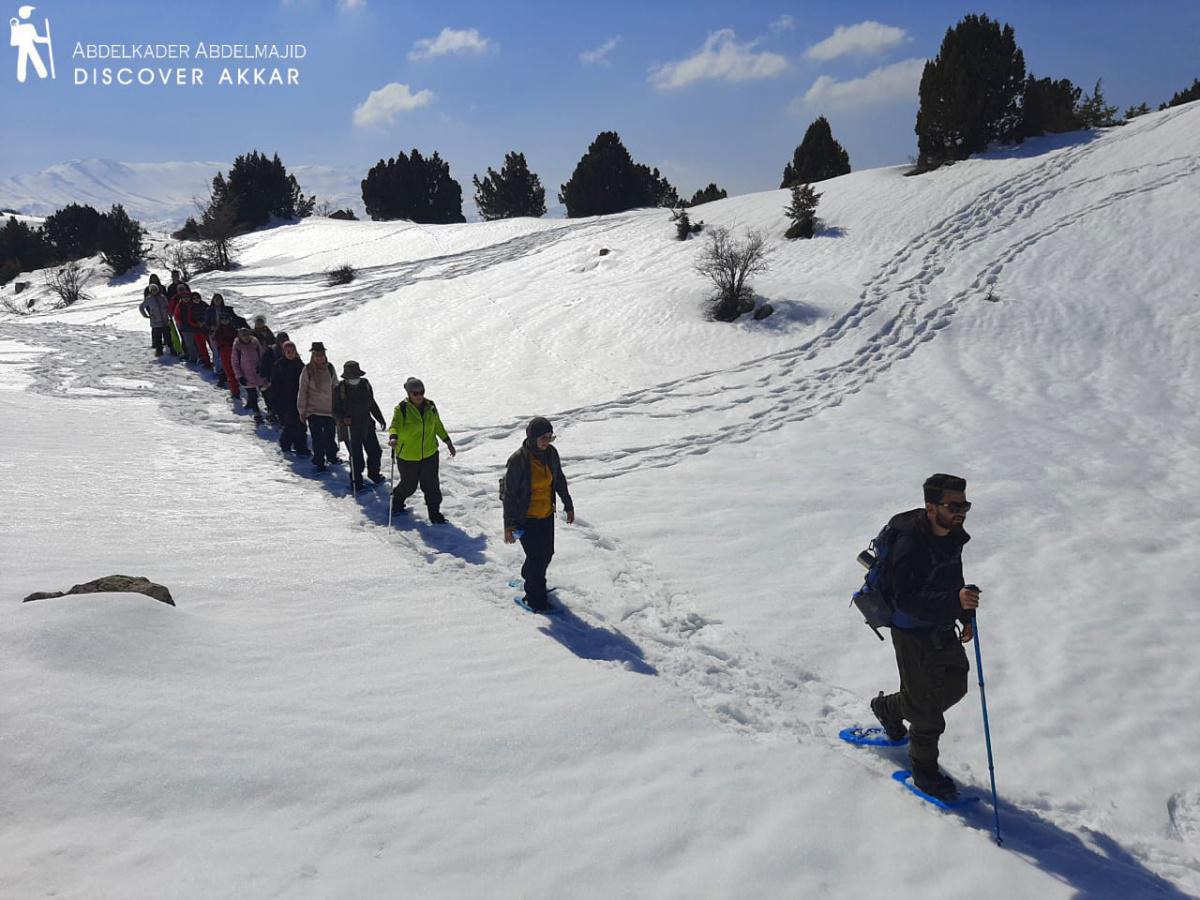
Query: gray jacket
{"points": [[154, 307]]}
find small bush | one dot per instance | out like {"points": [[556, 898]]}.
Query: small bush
{"points": [[67, 283], [802, 212], [179, 258], [729, 265], [341, 275], [683, 224]]}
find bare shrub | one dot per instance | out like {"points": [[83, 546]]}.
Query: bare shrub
{"points": [[730, 264], [68, 283]]}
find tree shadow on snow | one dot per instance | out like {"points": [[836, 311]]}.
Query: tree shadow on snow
{"points": [[1096, 867], [589, 641]]}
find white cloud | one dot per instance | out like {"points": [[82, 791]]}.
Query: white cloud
{"points": [[898, 81], [782, 24], [721, 58], [382, 106], [864, 39], [599, 56], [451, 41]]}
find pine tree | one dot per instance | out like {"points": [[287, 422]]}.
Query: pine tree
{"points": [[1093, 110], [74, 231], [264, 191], [1187, 95], [1049, 107], [22, 249], [1134, 111], [121, 245], [802, 211], [513, 191], [414, 188], [607, 180], [817, 158], [970, 93], [707, 195]]}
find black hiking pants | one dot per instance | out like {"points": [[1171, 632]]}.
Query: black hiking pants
{"points": [[360, 441], [422, 473], [933, 677], [160, 338], [538, 543]]}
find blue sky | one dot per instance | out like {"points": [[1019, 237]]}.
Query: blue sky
{"points": [[706, 91]]}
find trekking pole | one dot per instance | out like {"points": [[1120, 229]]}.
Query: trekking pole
{"points": [[391, 476], [987, 732]]}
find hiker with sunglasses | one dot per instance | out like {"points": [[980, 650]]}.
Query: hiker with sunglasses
{"points": [[927, 589], [532, 477], [413, 437]]}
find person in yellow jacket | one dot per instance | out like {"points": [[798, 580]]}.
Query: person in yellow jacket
{"points": [[413, 436]]}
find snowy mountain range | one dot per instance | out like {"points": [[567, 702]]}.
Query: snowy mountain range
{"points": [[336, 708], [160, 195]]}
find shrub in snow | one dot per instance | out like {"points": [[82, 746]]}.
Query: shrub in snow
{"points": [[683, 224], [68, 283], [802, 212], [730, 264], [817, 158], [22, 249], [341, 275], [513, 191]]}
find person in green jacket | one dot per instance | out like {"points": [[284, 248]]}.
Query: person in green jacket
{"points": [[413, 436]]}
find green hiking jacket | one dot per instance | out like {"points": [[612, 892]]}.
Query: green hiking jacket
{"points": [[416, 433]]}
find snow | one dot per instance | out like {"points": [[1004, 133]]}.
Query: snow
{"points": [[333, 711]]}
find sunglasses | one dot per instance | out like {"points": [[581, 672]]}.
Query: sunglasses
{"points": [[550, 437], [957, 506]]}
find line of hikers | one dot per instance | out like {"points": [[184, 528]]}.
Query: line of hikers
{"points": [[309, 398]]}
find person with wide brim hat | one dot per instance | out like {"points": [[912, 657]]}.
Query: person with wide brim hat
{"points": [[356, 412], [314, 400]]}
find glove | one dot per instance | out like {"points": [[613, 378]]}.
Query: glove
{"points": [[242, 382]]}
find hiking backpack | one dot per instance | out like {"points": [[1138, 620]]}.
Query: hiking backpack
{"points": [[873, 599]]}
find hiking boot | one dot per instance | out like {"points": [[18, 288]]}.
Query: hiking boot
{"points": [[377, 477], [305, 453], [935, 783], [893, 728], [320, 467], [437, 518]]}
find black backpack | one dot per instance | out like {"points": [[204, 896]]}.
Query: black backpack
{"points": [[874, 599]]}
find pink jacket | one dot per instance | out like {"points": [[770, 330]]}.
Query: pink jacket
{"points": [[246, 357]]}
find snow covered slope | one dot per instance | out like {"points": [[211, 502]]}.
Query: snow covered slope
{"points": [[334, 712]]}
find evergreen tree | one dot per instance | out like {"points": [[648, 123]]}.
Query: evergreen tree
{"points": [[1187, 95], [607, 180], [74, 231], [219, 224], [707, 195], [22, 249], [1134, 111], [1049, 107], [970, 93], [513, 191], [817, 158], [121, 245], [1093, 110], [414, 188], [263, 190], [802, 211]]}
